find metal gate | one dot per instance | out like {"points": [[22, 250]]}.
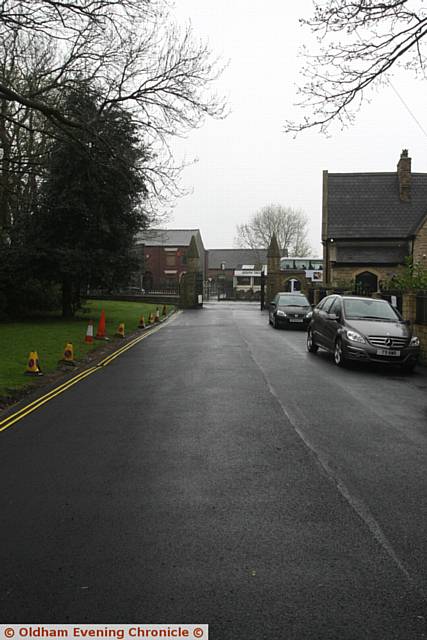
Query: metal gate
{"points": [[199, 288]]}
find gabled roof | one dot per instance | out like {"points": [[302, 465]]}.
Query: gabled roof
{"points": [[368, 205], [235, 258], [167, 237]]}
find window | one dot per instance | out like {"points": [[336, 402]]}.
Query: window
{"points": [[370, 309], [243, 280], [297, 301], [336, 307], [321, 303], [366, 282], [326, 303], [170, 260]]}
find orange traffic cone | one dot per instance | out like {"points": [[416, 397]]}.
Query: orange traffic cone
{"points": [[101, 333], [157, 316], [69, 355], [120, 333], [33, 365], [164, 311], [89, 333], [141, 323], [151, 318]]}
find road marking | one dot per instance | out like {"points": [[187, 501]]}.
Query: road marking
{"points": [[32, 406], [15, 417], [356, 504]]}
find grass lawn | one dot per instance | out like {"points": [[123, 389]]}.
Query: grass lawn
{"points": [[48, 337]]}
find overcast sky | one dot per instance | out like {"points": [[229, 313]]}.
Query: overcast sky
{"points": [[246, 161]]}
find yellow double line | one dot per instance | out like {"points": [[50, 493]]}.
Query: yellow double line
{"points": [[29, 408]]}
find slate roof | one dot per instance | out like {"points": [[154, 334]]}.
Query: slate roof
{"points": [[368, 205], [235, 258], [166, 237]]}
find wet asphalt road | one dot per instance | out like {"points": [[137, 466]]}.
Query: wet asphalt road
{"points": [[217, 473]]}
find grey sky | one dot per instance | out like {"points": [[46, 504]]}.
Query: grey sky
{"points": [[246, 161]]}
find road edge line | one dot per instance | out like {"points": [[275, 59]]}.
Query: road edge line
{"points": [[56, 391]]}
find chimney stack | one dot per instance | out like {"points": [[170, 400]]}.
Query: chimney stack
{"points": [[404, 175]]}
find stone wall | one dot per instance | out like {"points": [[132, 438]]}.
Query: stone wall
{"points": [[420, 245], [409, 312], [348, 274], [420, 330]]}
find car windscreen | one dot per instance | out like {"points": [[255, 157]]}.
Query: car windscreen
{"points": [[369, 310], [293, 301]]}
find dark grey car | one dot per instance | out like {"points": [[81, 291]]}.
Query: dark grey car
{"points": [[363, 329], [289, 309]]}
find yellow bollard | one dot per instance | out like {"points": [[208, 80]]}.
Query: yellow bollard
{"points": [[120, 333], [69, 355], [33, 365]]}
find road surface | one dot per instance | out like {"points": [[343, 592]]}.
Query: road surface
{"points": [[218, 473]]}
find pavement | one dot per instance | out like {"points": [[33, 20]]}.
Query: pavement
{"points": [[218, 473]]}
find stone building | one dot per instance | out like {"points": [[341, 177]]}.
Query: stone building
{"points": [[370, 223], [224, 262]]}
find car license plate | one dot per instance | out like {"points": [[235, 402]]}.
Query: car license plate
{"points": [[387, 352], [295, 319]]}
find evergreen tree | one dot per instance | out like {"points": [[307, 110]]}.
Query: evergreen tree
{"points": [[91, 201]]}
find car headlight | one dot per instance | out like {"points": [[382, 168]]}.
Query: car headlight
{"points": [[354, 336], [281, 313], [415, 342]]}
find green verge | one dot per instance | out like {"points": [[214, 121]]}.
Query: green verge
{"points": [[48, 337]]}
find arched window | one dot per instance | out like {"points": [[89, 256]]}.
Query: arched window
{"points": [[293, 285], [366, 283]]}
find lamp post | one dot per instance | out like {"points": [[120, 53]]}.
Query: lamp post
{"points": [[262, 290], [221, 280]]}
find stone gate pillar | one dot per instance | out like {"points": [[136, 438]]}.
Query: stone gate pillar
{"points": [[188, 291], [273, 269]]}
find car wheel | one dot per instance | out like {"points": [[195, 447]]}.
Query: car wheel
{"points": [[311, 345], [339, 358]]}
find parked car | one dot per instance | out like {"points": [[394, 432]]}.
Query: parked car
{"points": [[289, 309], [362, 329]]}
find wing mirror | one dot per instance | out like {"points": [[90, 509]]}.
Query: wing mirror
{"points": [[333, 316]]}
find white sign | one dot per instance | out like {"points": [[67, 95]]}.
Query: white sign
{"points": [[314, 275], [247, 272]]}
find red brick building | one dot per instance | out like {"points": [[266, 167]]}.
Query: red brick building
{"points": [[163, 256]]}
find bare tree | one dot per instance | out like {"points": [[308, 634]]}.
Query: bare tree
{"points": [[130, 51], [289, 225], [360, 42], [23, 132]]}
